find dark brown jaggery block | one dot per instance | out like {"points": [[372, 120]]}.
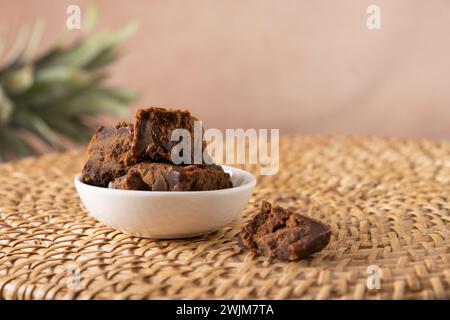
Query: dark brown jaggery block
{"points": [[106, 154], [132, 180], [152, 134], [283, 233], [169, 177]]}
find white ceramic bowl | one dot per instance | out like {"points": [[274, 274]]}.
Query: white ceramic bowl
{"points": [[165, 214]]}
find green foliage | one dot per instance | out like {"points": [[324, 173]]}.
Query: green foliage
{"points": [[57, 93]]}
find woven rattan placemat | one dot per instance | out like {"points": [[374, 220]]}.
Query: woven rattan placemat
{"points": [[387, 201]]}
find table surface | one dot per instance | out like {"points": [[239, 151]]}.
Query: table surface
{"points": [[386, 200]]}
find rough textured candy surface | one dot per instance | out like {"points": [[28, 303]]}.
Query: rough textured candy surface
{"points": [[107, 151], [169, 177], [283, 233], [152, 134]]}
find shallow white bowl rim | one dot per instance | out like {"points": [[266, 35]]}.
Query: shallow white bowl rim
{"points": [[248, 181]]}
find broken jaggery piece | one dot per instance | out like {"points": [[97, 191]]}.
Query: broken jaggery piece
{"points": [[169, 177], [106, 154], [283, 233], [152, 134]]}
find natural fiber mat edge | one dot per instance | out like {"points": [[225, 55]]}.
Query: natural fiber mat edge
{"points": [[387, 201]]}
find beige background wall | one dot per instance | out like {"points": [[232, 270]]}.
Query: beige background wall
{"points": [[302, 66]]}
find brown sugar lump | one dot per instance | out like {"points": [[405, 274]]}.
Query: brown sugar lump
{"points": [[168, 177], [106, 154], [152, 135], [283, 233]]}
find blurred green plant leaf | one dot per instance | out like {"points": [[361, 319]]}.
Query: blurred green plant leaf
{"points": [[86, 51], [90, 17], [120, 94], [90, 102], [18, 81], [65, 74], [34, 40], [70, 127], [13, 141], [35, 124], [60, 91], [6, 108], [104, 58]]}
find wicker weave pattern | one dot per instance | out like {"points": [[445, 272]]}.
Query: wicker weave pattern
{"points": [[387, 200]]}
